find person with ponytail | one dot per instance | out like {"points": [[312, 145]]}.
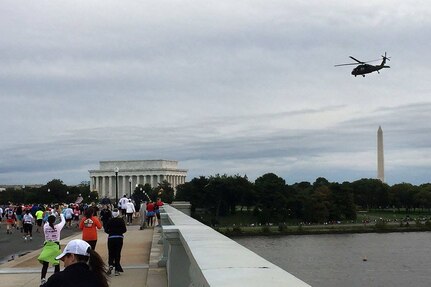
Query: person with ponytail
{"points": [[89, 225], [51, 246], [83, 267]]}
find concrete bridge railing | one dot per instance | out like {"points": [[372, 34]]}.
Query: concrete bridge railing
{"points": [[197, 255]]}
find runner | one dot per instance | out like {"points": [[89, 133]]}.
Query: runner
{"points": [[39, 218], [1, 215], [28, 222], [10, 218], [89, 225], [68, 215], [51, 247]]}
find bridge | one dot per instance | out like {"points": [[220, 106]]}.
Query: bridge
{"points": [[197, 255], [183, 252]]}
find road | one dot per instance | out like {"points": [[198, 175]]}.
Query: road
{"points": [[13, 245]]}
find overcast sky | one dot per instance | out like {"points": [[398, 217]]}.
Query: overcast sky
{"points": [[224, 87]]}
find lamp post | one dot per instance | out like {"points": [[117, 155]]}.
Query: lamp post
{"points": [[116, 170], [130, 183]]}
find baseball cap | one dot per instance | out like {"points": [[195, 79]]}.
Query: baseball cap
{"points": [[76, 246]]}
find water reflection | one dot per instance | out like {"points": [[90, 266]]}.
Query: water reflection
{"points": [[393, 259]]}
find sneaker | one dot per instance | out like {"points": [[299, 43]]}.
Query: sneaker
{"points": [[109, 272], [117, 273], [25, 238], [31, 238], [42, 281]]}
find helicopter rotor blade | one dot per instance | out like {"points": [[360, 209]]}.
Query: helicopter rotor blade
{"points": [[346, 64], [360, 62]]}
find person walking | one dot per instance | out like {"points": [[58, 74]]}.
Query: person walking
{"points": [[143, 212], [28, 221], [157, 206], [51, 246], [105, 216], [89, 225], [83, 267], [150, 213], [115, 229], [122, 205], [130, 210]]}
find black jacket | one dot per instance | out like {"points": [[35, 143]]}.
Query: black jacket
{"points": [[116, 226], [75, 275]]}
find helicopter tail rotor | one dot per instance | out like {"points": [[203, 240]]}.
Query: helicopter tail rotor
{"points": [[386, 58]]}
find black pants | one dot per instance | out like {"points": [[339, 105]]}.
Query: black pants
{"points": [[28, 228], [92, 243], [129, 217], [115, 245]]}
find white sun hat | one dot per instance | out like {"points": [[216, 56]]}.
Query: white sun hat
{"points": [[76, 246]]}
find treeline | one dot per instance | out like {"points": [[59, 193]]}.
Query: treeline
{"points": [[273, 200], [53, 192], [269, 197], [56, 191]]}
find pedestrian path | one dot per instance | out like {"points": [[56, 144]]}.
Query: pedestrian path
{"points": [[25, 271]]}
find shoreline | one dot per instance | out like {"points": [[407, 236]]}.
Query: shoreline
{"points": [[316, 230]]}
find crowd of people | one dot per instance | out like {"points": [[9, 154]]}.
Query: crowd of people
{"points": [[79, 256]]}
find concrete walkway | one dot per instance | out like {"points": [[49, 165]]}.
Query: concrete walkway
{"points": [[139, 260]]}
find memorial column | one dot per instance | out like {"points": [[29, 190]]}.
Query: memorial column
{"points": [[97, 184], [103, 191], [110, 186], [124, 190]]}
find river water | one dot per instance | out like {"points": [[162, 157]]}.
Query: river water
{"points": [[337, 260]]}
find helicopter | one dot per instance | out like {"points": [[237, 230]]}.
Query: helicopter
{"points": [[365, 68]]}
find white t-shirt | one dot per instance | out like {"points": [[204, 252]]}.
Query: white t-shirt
{"points": [[54, 234], [27, 218], [123, 201]]}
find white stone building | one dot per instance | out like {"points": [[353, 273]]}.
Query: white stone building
{"points": [[131, 173]]}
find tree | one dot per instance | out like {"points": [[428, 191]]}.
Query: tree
{"points": [[342, 203], [370, 193], [272, 203], [422, 199], [402, 195], [194, 192], [164, 191]]}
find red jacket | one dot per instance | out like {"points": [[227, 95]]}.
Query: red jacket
{"points": [[88, 227]]}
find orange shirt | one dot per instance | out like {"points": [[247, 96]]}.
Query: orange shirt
{"points": [[88, 227]]}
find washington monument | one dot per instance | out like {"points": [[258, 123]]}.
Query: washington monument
{"points": [[380, 161]]}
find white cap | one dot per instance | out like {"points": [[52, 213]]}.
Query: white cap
{"points": [[76, 246]]}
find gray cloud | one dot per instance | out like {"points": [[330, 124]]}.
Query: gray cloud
{"points": [[222, 87]]}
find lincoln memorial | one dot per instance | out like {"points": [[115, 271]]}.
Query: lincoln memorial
{"points": [[131, 173]]}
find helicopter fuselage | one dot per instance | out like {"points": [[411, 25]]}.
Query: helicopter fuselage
{"points": [[366, 69]]}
